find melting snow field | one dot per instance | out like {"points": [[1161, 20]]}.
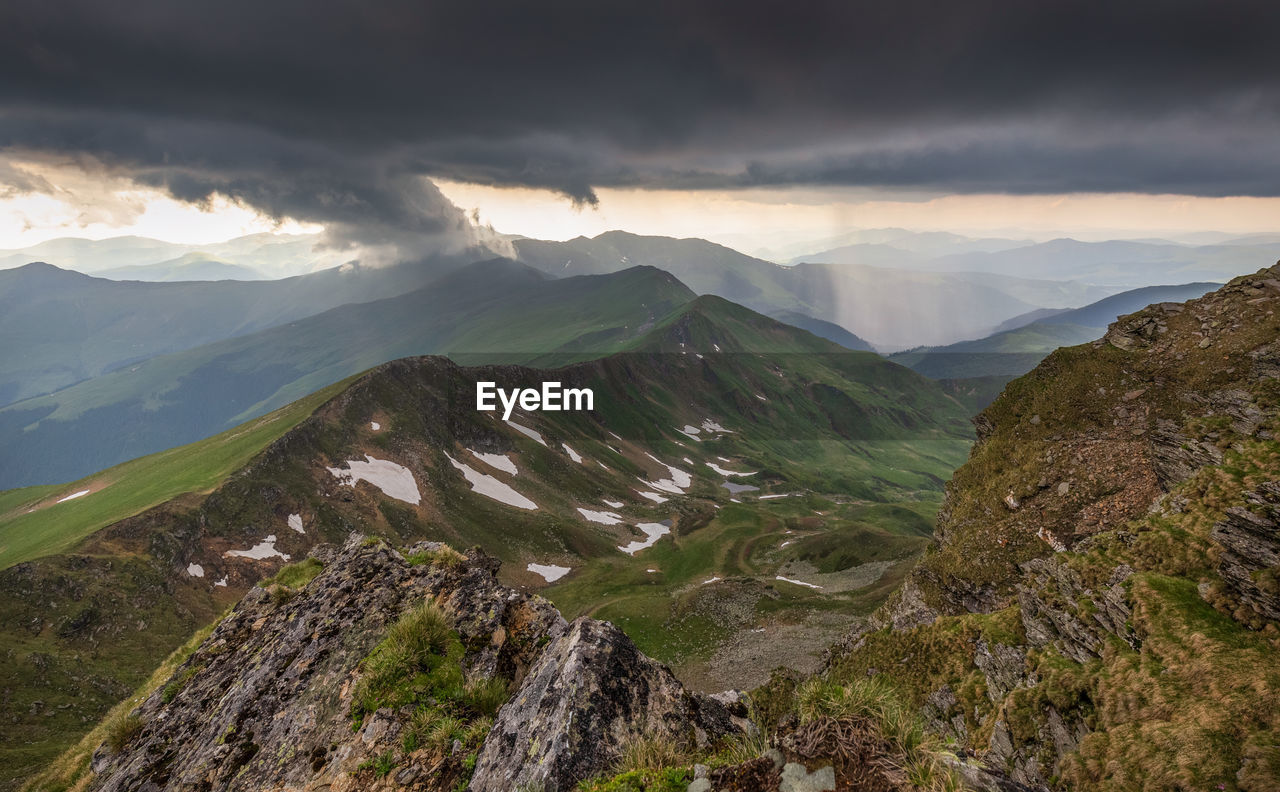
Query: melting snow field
{"points": [[613, 504], [264, 549], [798, 582], [574, 455], [604, 518], [74, 495], [724, 472], [395, 481], [676, 484], [527, 432], [711, 426], [653, 496], [550, 572], [496, 461], [295, 522], [490, 487], [195, 570], [652, 531]]}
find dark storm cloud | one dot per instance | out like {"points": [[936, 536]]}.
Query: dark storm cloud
{"points": [[335, 111]]}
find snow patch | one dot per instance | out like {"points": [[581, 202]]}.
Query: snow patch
{"points": [[490, 487], [691, 430], [74, 495], [374, 425], [395, 481], [798, 582], [527, 432], [264, 549], [711, 426], [771, 497], [550, 572], [613, 504], [710, 580], [653, 496], [195, 570], [676, 484], [295, 522], [604, 518], [574, 455], [652, 531], [222, 582], [724, 472], [497, 461]]}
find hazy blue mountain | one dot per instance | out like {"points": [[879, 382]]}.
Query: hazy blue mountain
{"points": [[823, 329], [492, 312], [58, 327], [1124, 264], [188, 267], [888, 308], [1016, 351]]}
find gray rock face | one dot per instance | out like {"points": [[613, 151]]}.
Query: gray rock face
{"points": [[265, 702], [1050, 600], [1250, 559], [590, 691]]}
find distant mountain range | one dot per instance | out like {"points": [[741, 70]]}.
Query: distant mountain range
{"points": [[1029, 338]]}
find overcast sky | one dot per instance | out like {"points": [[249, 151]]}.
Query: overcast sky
{"points": [[346, 114]]}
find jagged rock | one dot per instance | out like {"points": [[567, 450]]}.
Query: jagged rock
{"points": [[1049, 598], [1177, 456], [942, 714], [265, 702], [1005, 668], [590, 691], [1250, 558]]}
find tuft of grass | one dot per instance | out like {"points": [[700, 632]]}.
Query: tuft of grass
{"points": [[445, 556], [488, 695], [381, 765], [295, 576], [122, 730], [648, 753]]}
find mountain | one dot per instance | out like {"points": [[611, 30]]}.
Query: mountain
{"points": [[1117, 264], [828, 330], [891, 309], [694, 464], [1098, 610], [60, 327], [272, 255], [1015, 351], [168, 400], [190, 267]]}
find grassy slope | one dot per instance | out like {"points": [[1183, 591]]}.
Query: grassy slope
{"points": [[32, 524], [1196, 705], [870, 437], [174, 399]]}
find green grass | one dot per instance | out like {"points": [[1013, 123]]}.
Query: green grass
{"points": [[135, 486]]}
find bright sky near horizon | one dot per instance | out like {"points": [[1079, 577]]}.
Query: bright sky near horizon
{"points": [[751, 219]]}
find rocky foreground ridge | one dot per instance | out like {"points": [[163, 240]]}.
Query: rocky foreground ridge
{"points": [[1099, 609], [273, 699]]}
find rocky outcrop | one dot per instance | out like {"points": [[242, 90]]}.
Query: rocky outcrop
{"points": [[1058, 608], [265, 703], [590, 692], [1250, 559]]}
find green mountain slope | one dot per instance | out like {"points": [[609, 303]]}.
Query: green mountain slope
{"points": [[836, 459], [489, 307], [1099, 611]]}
